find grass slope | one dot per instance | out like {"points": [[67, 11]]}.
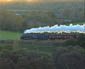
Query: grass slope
{"points": [[9, 35], [78, 23], [42, 46], [38, 46]]}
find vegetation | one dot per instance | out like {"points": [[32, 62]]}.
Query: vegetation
{"points": [[9, 35], [18, 17], [19, 23], [41, 54]]}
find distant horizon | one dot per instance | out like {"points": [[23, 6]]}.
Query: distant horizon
{"points": [[37, 1]]}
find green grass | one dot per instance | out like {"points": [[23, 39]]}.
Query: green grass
{"points": [[78, 23], [45, 46], [9, 35], [42, 46]]}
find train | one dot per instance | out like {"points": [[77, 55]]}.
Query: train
{"points": [[49, 36]]}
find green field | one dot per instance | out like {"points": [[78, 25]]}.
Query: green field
{"points": [[9, 35], [78, 23], [43, 46]]}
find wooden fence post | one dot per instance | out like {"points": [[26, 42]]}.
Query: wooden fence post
{"points": [[15, 44]]}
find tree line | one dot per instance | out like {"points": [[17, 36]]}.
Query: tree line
{"points": [[12, 21]]}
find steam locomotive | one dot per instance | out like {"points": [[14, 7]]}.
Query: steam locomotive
{"points": [[49, 36]]}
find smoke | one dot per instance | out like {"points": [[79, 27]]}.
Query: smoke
{"points": [[59, 29]]}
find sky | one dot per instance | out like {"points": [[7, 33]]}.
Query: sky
{"points": [[37, 0]]}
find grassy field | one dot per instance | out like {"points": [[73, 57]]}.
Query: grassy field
{"points": [[78, 23], [9, 35], [42, 46]]}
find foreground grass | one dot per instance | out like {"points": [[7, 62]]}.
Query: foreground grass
{"points": [[9, 35], [42, 46]]}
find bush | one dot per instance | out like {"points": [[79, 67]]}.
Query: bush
{"points": [[71, 42], [81, 40], [20, 59], [69, 57]]}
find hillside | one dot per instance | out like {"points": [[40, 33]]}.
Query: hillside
{"points": [[9, 35], [21, 16], [46, 6]]}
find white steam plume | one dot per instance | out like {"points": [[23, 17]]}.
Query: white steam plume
{"points": [[56, 28]]}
